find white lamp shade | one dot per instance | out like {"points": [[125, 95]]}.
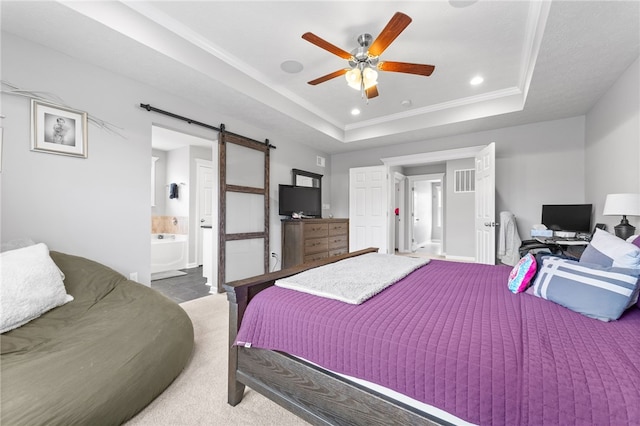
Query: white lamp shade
{"points": [[353, 77], [622, 204], [370, 77]]}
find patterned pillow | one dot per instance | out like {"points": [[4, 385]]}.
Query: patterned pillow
{"points": [[592, 290], [522, 273], [608, 250]]}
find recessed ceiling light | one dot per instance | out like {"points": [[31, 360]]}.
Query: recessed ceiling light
{"points": [[462, 3], [292, 67], [355, 111], [476, 80]]}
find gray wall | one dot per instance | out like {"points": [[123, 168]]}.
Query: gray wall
{"points": [[99, 207], [613, 145], [536, 164], [459, 214]]}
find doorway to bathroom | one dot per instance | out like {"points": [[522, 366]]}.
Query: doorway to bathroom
{"points": [[183, 207], [426, 214]]}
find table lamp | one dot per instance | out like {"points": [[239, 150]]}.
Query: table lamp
{"points": [[622, 205]]}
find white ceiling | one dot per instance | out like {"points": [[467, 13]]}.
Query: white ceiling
{"points": [[540, 60]]}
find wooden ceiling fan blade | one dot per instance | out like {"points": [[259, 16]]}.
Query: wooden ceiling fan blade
{"points": [[396, 25], [328, 77], [372, 92], [405, 67], [323, 44]]}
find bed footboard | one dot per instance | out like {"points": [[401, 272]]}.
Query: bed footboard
{"points": [[321, 397]]}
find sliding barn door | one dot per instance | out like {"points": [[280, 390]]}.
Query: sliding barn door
{"points": [[243, 208]]}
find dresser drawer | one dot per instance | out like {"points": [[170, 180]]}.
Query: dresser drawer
{"points": [[314, 230], [317, 256], [338, 252], [340, 228], [337, 242], [315, 245]]}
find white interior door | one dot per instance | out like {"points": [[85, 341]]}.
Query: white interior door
{"points": [[436, 208], [368, 208], [485, 211], [422, 213]]}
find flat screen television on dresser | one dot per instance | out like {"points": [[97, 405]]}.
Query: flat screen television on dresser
{"points": [[300, 199]]}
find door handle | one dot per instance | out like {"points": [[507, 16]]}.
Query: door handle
{"points": [[201, 220], [491, 224]]}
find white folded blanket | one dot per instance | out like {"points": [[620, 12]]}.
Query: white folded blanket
{"points": [[353, 280]]}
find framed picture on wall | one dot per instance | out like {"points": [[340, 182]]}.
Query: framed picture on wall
{"points": [[58, 130]]}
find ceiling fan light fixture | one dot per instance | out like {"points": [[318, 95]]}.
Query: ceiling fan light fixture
{"points": [[354, 78], [370, 77]]}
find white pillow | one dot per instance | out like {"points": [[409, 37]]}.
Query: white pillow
{"points": [[31, 286], [606, 249]]}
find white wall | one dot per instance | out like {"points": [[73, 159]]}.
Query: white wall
{"points": [[459, 214], [540, 163], [612, 160], [99, 207], [178, 173]]}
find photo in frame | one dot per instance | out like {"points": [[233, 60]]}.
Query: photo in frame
{"points": [[58, 130]]}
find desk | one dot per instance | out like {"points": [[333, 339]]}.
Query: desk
{"points": [[573, 248]]}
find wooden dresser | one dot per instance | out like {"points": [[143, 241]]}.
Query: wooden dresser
{"points": [[306, 240]]}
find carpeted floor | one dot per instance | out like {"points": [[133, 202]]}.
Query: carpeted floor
{"points": [[199, 395]]}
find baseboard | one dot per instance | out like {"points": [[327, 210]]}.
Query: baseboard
{"points": [[192, 265], [460, 258]]}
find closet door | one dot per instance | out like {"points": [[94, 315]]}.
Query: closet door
{"points": [[244, 208]]}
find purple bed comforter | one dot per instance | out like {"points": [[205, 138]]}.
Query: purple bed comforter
{"points": [[453, 336]]}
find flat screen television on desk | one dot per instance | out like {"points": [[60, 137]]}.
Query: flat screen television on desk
{"points": [[567, 217], [300, 199]]}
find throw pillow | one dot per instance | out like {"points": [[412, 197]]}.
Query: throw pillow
{"points": [[592, 290], [522, 273], [31, 286], [608, 250]]}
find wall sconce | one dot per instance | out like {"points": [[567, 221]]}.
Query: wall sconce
{"points": [[622, 205]]}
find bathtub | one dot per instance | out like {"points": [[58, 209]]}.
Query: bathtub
{"points": [[168, 252]]}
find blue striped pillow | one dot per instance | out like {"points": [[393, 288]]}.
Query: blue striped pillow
{"points": [[608, 250], [592, 290]]}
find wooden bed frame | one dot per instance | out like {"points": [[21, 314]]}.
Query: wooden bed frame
{"points": [[314, 394]]}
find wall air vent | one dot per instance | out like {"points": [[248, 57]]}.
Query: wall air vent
{"points": [[464, 180]]}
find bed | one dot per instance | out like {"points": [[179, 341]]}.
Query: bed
{"points": [[479, 353], [98, 359]]}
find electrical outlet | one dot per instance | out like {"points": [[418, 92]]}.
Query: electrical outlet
{"points": [[133, 276], [273, 254]]}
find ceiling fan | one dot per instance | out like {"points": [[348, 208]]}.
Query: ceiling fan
{"points": [[364, 60]]}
